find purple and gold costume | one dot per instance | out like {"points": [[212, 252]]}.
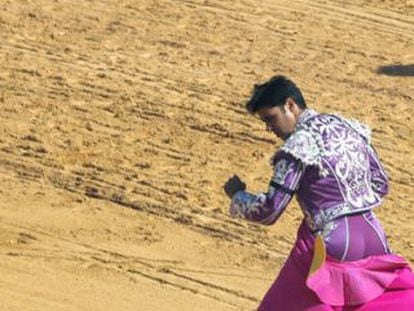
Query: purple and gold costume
{"points": [[328, 162]]}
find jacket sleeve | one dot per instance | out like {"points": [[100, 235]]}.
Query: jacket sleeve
{"points": [[379, 179], [265, 208]]}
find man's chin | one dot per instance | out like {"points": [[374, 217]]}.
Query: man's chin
{"points": [[283, 137]]}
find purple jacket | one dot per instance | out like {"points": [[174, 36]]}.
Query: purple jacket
{"points": [[329, 163]]}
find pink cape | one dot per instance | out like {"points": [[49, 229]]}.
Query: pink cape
{"points": [[374, 283]]}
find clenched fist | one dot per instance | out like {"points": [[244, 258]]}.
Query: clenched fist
{"points": [[233, 185]]}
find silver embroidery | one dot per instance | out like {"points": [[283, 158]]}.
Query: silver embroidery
{"points": [[351, 159], [359, 127], [244, 204], [331, 143], [306, 147], [306, 144], [281, 172], [327, 229], [322, 218]]}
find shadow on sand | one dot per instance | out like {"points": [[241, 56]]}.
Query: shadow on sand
{"points": [[397, 70]]}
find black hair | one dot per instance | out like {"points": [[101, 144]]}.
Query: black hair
{"points": [[274, 93]]}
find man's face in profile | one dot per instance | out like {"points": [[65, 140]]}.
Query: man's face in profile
{"points": [[281, 120]]}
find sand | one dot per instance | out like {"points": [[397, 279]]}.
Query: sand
{"points": [[120, 122]]}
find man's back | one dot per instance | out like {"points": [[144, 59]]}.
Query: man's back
{"points": [[342, 172]]}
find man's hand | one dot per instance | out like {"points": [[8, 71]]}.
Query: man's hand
{"points": [[233, 185]]}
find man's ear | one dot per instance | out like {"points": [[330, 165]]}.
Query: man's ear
{"points": [[290, 104]]}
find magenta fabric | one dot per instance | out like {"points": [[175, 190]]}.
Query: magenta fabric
{"points": [[383, 282], [398, 296], [355, 282]]}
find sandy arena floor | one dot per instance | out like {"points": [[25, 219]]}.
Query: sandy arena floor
{"points": [[121, 120]]}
